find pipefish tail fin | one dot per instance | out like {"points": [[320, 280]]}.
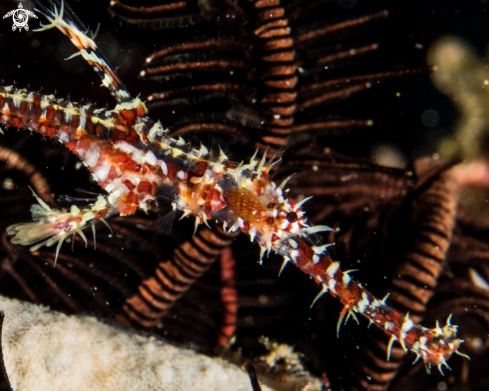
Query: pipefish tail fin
{"points": [[53, 226]]}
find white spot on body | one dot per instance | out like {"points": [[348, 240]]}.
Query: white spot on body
{"points": [[422, 343], [115, 195], [45, 102], [92, 57], [63, 137], [156, 130], [122, 94], [240, 222], [107, 80], [17, 99], [294, 254], [92, 156], [364, 303], [331, 285], [83, 119], [150, 158], [135, 153], [81, 153], [331, 271], [406, 326], [100, 174], [164, 167], [252, 234], [376, 303], [293, 243], [70, 111]]}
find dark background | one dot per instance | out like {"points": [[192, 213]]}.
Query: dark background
{"points": [[37, 59]]}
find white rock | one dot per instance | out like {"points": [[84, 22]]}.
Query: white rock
{"points": [[46, 350]]}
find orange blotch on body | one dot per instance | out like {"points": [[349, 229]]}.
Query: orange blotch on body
{"points": [[305, 253], [144, 187], [59, 116], [246, 205], [23, 109], [172, 171], [131, 166], [129, 136], [128, 204], [129, 184], [265, 176], [123, 161], [145, 138], [148, 167], [128, 116], [201, 167], [89, 122], [112, 174], [258, 187], [75, 122], [50, 113], [213, 200], [83, 142], [11, 106], [37, 105], [99, 130], [49, 131], [141, 111], [17, 122]]}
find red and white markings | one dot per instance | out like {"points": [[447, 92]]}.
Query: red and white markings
{"points": [[132, 158]]}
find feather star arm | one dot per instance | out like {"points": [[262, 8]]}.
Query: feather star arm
{"points": [[132, 157]]}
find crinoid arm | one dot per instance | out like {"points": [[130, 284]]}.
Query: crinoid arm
{"points": [[50, 226]]}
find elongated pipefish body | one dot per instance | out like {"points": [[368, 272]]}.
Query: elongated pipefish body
{"points": [[133, 158]]}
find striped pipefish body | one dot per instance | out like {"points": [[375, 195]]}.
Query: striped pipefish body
{"points": [[133, 158]]}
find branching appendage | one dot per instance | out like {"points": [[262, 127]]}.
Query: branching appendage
{"points": [[52, 226]]}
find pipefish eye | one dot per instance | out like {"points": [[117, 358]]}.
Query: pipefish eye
{"points": [[291, 217]]}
